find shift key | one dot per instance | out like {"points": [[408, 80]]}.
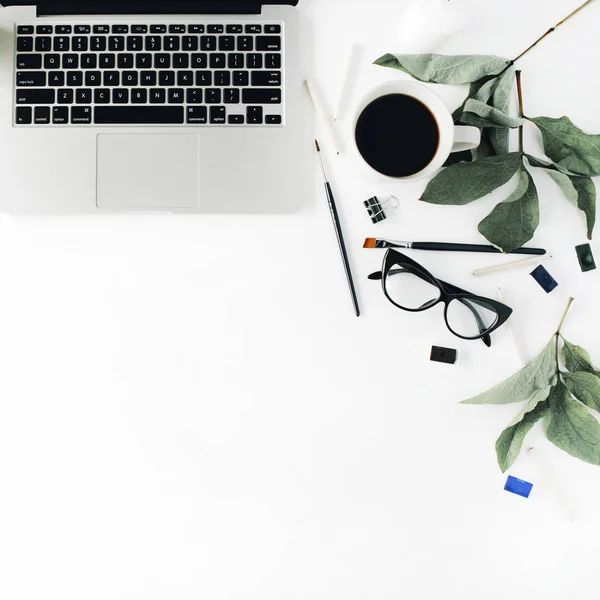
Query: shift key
{"points": [[261, 96], [26, 96]]}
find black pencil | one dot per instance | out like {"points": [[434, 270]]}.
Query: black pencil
{"points": [[338, 232]]}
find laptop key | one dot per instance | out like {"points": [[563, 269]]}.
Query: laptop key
{"points": [[92, 78], [82, 29], [235, 119], [24, 115], [253, 29], [75, 78], [120, 96], [199, 61], [273, 61], [43, 44], [190, 43], [25, 29], [52, 61], [215, 29], [203, 78], [254, 115], [130, 78], [166, 78], [143, 61], [83, 96], [101, 29], [139, 29], [245, 43], [81, 115], [102, 96], [44, 29], [60, 115], [158, 29], [197, 114], [217, 114], [139, 96], [185, 78], [234, 29], [171, 43], [266, 78], [261, 96], [153, 43], [65, 96], [232, 96], [208, 42], [176, 28], [217, 61], [116, 43], [272, 28], [181, 61], [62, 44], [135, 43], [175, 96], [195, 28], [107, 61], [41, 115], [29, 61], [120, 28], [125, 61], [63, 29], [146, 115], [162, 61], [97, 43], [24, 44], [148, 78], [111, 79], [31, 79], [268, 42], [226, 42], [80, 43], [235, 61], [254, 61], [158, 96], [222, 78], [70, 61], [241, 78], [212, 96], [194, 96], [56, 79]]}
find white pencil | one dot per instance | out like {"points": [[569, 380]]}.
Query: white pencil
{"points": [[320, 110], [534, 260], [348, 82]]}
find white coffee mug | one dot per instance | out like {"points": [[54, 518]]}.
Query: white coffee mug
{"points": [[452, 138]]}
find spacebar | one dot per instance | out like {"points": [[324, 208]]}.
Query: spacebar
{"points": [[135, 115]]}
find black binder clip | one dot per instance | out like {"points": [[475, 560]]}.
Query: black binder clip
{"points": [[376, 208]]}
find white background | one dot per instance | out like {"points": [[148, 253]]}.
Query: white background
{"points": [[189, 408]]}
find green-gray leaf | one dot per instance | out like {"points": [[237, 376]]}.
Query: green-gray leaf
{"points": [[437, 68], [500, 137], [485, 147], [511, 439], [462, 183], [576, 358], [572, 428], [570, 147], [513, 222], [539, 396], [479, 114], [536, 375], [585, 387]]}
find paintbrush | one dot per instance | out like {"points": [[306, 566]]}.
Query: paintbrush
{"points": [[445, 246]]}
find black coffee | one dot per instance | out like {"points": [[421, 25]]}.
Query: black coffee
{"points": [[397, 135]]}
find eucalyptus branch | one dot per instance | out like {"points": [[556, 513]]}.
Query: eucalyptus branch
{"points": [[520, 94]]}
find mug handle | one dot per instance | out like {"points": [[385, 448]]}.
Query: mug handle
{"points": [[465, 138]]}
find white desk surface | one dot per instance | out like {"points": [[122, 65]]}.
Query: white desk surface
{"points": [[189, 408]]}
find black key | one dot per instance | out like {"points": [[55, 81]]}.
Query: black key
{"points": [[171, 43], [268, 43], [139, 29], [158, 29], [158, 96], [208, 42], [212, 96], [222, 78], [235, 61], [231, 96], [89, 61], [176, 28], [254, 61], [190, 43], [175, 96], [31, 79], [29, 61], [143, 61], [125, 61], [80, 43], [24, 44], [41, 115], [56, 79], [24, 115], [81, 115], [102, 96], [60, 115], [235, 119], [261, 96], [273, 61], [135, 43], [217, 114], [166, 78], [226, 42], [93, 78], [215, 29], [195, 28], [153, 43], [245, 43], [120, 96], [266, 78], [181, 61], [63, 29], [25, 29], [65, 96], [111, 78], [234, 29], [162, 61], [194, 96], [241, 78], [43, 44], [83, 96], [148, 78], [147, 115], [185, 78], [130, 78], [253, 29], [70, 61], [83, 29], [272, 28], [139, 96], [217, 61], [52, 61], [107, 61], [199, 61], [101, 29], [75, 78], [97, 43], [197, 114], [120, 28], [62, 44], [116, 43], [203, 78], [254, 115], [44, 29]]}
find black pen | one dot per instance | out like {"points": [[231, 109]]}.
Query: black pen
{"points": [[338, 232]]}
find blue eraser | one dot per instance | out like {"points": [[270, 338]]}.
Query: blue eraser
{"points": [[518, 486], [544, 278]]}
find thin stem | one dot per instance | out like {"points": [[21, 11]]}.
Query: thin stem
{"points": [[552, 29], [564, 315], [520, 93]]}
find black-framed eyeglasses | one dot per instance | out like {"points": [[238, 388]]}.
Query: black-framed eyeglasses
{"points": [[409, 286]]}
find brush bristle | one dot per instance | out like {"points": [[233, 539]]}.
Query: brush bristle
{"points": [[369, 243]]}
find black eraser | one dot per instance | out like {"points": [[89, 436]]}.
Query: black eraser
{"points": [[585, 257], [444, 355], [544, 278]]}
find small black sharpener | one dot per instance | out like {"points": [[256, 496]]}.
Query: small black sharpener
{"points": [[443, 355], [585, 257]]}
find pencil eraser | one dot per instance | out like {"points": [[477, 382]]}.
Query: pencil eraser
{"points": [[544, 278], [443, 355], [585, 257], [518, 486]]}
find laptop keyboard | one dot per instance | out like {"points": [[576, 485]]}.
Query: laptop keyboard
{"points": [[149, 74]]}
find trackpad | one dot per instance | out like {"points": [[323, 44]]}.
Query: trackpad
{"points": [[147, 171]]}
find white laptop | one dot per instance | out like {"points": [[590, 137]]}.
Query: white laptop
{"points": [[181, 106]]}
